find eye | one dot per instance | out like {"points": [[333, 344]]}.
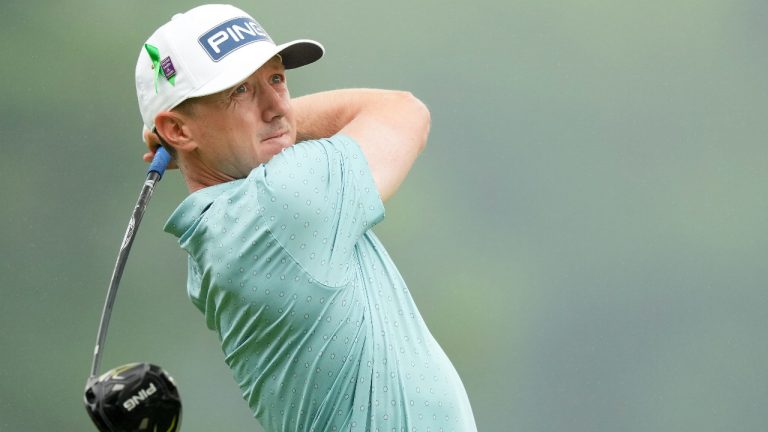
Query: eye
{"points": [[276, 79], [241, 89]]}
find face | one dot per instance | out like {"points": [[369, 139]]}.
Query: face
{"points": [[242, 127]]}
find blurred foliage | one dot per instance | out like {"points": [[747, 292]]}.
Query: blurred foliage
{"points": [[584, 234]]}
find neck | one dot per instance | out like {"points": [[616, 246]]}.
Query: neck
{"points": [[199, 176]]}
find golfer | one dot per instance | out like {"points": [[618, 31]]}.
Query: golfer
{"points": [[315, 321]]}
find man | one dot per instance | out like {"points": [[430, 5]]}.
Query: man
{"points": [[314, 320]]}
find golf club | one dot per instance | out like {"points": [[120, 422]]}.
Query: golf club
{"points": [[135, 396]]}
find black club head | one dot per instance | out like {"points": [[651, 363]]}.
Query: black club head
{"points": [[132, 398]]}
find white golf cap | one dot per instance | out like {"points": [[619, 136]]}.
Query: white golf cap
{"points": [[206, 50]]}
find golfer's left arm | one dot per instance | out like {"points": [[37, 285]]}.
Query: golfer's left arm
{"points": [[391, 128]]}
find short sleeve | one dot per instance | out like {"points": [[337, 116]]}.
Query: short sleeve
{"points": [[319, 198]]}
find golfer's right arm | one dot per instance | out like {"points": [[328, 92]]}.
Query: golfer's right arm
{"points": [[391, 128]]}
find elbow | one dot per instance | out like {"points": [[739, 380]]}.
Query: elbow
{"points": [[426, 122], [420, 119]]}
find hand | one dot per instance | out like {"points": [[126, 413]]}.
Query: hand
{"points": [[153, 143]]}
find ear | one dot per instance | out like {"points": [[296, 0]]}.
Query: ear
{"points": [[174, 129]]}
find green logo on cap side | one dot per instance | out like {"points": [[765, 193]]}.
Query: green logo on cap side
{"points": [[164, 67]]}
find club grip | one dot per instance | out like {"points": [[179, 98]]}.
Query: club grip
{"points": [[160, 162]]}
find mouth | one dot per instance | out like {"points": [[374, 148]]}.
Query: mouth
{"points": [[276, 136]]}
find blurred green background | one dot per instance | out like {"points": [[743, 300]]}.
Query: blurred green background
{"points": [[584, 233]]}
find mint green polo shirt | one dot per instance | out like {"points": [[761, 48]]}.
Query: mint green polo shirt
{"points": [[315, 322]]}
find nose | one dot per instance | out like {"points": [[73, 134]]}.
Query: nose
{"points": [[274, 104]]}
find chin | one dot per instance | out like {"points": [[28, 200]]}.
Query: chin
{"points": [[271, 147]]}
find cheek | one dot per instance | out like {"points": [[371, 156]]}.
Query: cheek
{"points": [[292, 129], [290, 115], [292, 122], [220, 137]]}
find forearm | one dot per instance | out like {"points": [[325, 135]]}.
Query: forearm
{"points": [[324, 114]]}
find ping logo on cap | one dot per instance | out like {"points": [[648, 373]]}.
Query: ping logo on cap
{"points": [[231, 35]]}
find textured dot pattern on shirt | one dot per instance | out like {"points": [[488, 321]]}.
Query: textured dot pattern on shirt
{"points": [[315, 322]]}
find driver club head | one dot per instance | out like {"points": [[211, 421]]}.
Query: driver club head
{"points": [[132, 398]]}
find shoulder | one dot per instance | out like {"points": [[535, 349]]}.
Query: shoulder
{"points": [[189, 213], [335, 148], [320, 168]]}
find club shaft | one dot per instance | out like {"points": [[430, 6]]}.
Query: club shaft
{"points": [[122, 258], [154, 174]]}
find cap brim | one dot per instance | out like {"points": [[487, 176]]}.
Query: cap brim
{"points": [[300, 53], [294, 54]]}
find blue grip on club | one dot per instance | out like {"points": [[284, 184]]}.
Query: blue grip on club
{"points": [[160, 162]]}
